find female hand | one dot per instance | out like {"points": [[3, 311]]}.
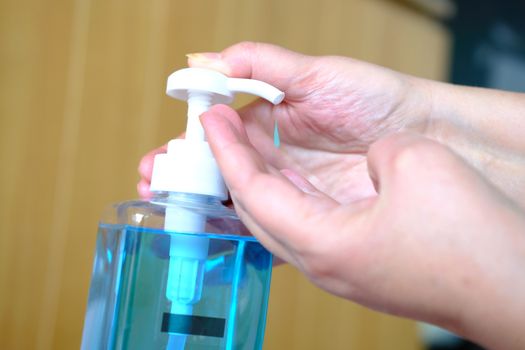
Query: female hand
{"points": [[438, 243], [334, 108], [435, 242]]}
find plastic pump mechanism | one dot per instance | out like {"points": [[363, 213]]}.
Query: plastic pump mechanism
{"points": [[189, 168]]}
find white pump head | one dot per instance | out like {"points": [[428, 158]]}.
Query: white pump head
{"points": [[189, 165]]}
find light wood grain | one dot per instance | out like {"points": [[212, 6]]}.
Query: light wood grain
{"points": [[82, 99]]}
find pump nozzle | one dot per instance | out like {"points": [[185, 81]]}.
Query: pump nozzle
{"points": [[189, 166], [256, 87], [221, 88], [202, 88]]}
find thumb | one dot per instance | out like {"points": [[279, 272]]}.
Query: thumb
{"points": [[275, 206], [272, 64]]}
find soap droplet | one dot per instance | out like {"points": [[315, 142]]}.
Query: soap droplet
{"points": [[276, 138]]}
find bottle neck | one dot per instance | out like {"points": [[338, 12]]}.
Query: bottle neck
{"points": [[189, 198]]}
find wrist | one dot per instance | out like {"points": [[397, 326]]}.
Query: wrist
{"points": [[483, 127], [462, 114]]}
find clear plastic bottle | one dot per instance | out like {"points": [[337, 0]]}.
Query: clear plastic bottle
{"points": [[128, 307], [180, 271]]}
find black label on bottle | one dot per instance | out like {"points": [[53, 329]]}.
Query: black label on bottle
{"points": [[193, 325]]}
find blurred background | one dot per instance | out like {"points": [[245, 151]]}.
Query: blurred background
{"points": [[82, 99]]}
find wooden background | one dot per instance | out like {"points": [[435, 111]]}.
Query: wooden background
{"points": [[82, 98]]}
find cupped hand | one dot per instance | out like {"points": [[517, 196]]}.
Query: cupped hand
{"points": [[437, 243], [334, 108]]}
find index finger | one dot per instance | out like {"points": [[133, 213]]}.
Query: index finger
{"points": [[269, 63], [281, 209]]}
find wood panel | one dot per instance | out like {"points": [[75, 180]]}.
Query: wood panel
{"points": [[82, 98]]}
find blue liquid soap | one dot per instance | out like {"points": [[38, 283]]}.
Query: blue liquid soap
{"points": [[276, 137], [128, 307]]}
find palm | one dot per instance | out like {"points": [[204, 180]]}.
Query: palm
{"points": [[327, 123], [343, 176]]}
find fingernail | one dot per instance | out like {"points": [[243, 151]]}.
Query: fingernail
{"points": [[209, 56], [212, 60]]}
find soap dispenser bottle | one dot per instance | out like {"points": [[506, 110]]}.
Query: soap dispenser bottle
{"points": [[180, 271]]}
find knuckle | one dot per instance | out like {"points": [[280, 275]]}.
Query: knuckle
{"points": [[248, 46], [314, 258], [317, 270], [420, 154]]}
